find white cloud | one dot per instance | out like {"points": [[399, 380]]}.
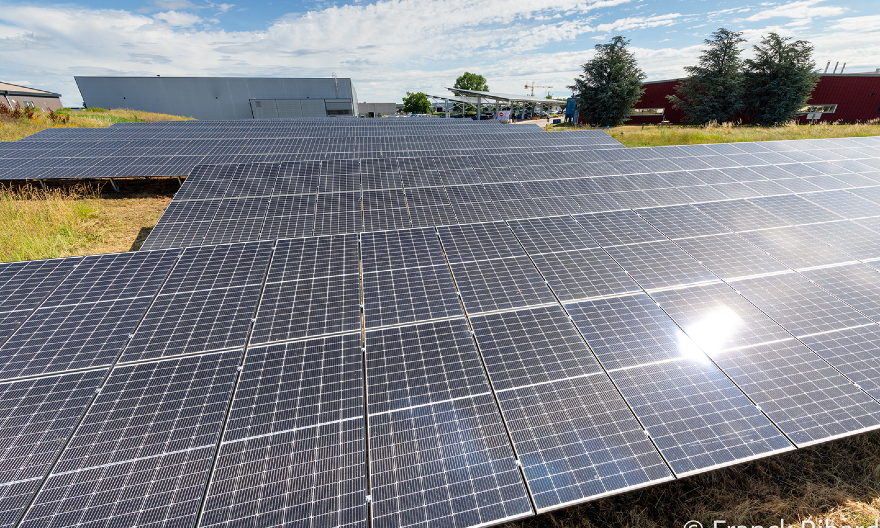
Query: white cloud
{"points": [[805, 9], [178, 18], [173, 5], [387, 46]]}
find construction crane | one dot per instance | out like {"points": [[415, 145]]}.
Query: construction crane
{"points": [[533, 86]]}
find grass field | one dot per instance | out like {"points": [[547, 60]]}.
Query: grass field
{"points": [[654, 136], [12, 129], [79, 219]]}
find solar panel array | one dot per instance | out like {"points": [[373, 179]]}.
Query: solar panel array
{"points": [[174, 148], [242, 202], [460, 374]]}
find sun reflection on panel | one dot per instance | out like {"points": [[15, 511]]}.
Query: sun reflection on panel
{"points": [[714, 329]]}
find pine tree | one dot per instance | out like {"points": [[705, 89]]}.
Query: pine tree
{"points": [[713, 90], [610, 85], [779, 80]]}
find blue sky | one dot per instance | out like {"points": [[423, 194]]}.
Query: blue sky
{"points": [[389, 47]]}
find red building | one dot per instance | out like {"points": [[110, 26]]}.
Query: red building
{"points": [[841, 97]]}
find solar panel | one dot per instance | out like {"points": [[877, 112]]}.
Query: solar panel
{"points": [[434, 423], [438, 448], [730, 256], [144, 448], [38, 416], [818, 403], [660, 264], [794, 248], [298, 406], [798, 305], [690, 409]]}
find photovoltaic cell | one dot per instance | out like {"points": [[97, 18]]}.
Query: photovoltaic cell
{"points": [[852, 351], [462, 474], [422, 364], [681, 221], [400, 249], [795, 210], [798, 305], [817, 404], [551, 235], [729, 256], [583, 273], [136, 492], [696, 416], [38, 416], [717, 318], [794, 248], [219, 267], [845, 204], [314, 476], [310, 258], [193, 322], [115, 276], [849, 237], [62, 338], [144, 448], [23, 285], [740, 215], [619, 227], [297, 385], [305, 308], [659, 264], [407, 295], [467, 243], [857, 285], [499, 284]]}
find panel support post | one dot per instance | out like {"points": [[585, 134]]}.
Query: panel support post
{"points": [[179, 180], [446, 107], [115, 187], [43, 184], [479, 108]]}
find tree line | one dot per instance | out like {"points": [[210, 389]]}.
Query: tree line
{"points": [[769, 89]]}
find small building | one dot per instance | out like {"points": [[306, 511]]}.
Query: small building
{"points": [[377, 109], [21, 96], [223, 97], [847, 97]]}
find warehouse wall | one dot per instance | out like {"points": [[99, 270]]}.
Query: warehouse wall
{"points": [[204, 97]]}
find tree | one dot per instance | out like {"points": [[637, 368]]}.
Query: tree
{"points": [[779, 80], [471, 81], [610, 85], [713, 90], [417, 103]]}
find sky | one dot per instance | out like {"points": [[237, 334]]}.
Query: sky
{"points": [[390, 47]]}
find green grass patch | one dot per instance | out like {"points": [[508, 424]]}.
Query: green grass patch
{"points": [[37, 223], [14, 128], [656, 136]]}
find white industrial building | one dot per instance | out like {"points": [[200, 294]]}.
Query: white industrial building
{"points": [[223, 97]]}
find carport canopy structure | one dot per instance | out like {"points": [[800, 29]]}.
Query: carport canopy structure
{"points": [[497, 97], [462, 100]]}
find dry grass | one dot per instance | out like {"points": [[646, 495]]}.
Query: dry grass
{"points": [[838, 481], [79, 218], [12, 129], [655, 136]]}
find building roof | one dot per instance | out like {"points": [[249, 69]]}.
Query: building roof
{"points": [[502, 96], [14, 89]]}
